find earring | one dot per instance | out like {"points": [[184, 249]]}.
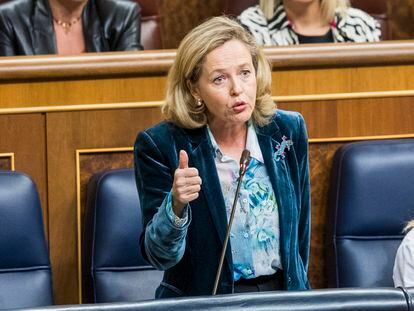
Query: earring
{"points": [[199, 102]]}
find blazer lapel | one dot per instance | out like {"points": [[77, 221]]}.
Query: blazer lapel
{"points": [[269, 137], [95, 40], [43, 34], [202, 157]]}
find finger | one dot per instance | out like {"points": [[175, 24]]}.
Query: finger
{"points": [[191, 190], [192, 197], [190, 172], [183, 159], [190, 181]]}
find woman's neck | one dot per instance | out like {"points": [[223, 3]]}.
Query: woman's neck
{"points": [[231, 139], [66, 11], [307, 18]]}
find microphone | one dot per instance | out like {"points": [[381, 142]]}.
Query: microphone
{"points": [[244, 163]]}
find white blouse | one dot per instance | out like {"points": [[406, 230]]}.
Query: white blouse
{"points": [[403, 273]]}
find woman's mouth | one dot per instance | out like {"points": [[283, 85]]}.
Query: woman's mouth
{"points": [[239, 106]]}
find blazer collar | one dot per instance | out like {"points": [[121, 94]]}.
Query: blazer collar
{"points": [[43, 34], [95, 40], [202, 156], [270, 138]]}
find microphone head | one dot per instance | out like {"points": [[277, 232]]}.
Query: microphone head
{"points": [[244, 161]]}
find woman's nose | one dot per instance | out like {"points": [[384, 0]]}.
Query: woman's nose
{"points": [[236, 87]]}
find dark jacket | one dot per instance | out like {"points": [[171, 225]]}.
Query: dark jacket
{"points": [[26, 27], [156, 158]]}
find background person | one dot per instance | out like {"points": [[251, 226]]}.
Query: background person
{"points": [[403, 272], [285, 22], [218, 103], [33, 27]]}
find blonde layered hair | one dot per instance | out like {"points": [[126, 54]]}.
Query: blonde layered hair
{"points": [[328, 7], [180, 106]]}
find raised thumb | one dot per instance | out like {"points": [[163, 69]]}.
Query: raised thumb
{"points": [[183, 159]]}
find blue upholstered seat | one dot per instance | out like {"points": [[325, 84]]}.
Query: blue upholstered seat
{"points": [[371, 199], [25, 273], [114, 269]]}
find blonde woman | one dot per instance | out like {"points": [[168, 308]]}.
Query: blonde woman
{"points": [[286, 22], [218, 103], [403, 274]]}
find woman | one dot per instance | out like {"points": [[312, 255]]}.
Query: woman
{"points": [[33, 27], [218, 103], [285, 22], [403, 273]]}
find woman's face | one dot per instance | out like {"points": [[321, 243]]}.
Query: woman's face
{"points": [[227, 84]]}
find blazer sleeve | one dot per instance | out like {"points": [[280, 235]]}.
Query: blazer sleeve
{"points": [[162, 242], [129, 38], [304, 215]]}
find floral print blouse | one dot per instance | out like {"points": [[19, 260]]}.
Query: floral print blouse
{"points": [[254, 236]]}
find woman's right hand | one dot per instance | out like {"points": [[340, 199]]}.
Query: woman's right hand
{"points": [[186, 185]]}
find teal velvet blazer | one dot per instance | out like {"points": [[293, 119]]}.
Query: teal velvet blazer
{"points": [[284, 146]]}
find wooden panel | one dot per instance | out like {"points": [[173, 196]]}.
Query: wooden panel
{"points": [[24, 135], [66, 133], [357, 117], [401, 15], [179, 17], [320, 162], [6, 161], [342, 80], [78, 92]]}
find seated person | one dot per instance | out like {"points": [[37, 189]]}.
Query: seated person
{"points": [[285, 22], [403, 273], [218, 103], [33, 27]]}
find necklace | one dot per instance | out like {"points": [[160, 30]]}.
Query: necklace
{"points": [[66, 25]]}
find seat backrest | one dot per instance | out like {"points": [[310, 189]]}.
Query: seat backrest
{"points": [[151, 24], [231, 7], [377, 9], [25, 273], [370, 200], [114, 269]]}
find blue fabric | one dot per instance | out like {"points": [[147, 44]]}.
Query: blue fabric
{"points": [[25, 272], [112, 265], [192, 273]]}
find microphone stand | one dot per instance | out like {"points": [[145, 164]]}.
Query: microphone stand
{"points": [[244, 162]]}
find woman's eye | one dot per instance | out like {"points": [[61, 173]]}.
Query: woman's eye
{"points": [[219, 80], [245, 73]]}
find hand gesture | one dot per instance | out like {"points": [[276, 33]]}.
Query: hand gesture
{"points": [[186, 185]]}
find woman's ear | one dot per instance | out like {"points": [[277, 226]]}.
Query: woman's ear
{"points": [[193, 90]]}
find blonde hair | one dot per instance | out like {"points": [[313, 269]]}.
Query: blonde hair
{"points": [[328, 7], [180, 106], [409, 226]]}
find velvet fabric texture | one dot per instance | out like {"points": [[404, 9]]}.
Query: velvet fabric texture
{"points": [[26, 27], [156, 158]]}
